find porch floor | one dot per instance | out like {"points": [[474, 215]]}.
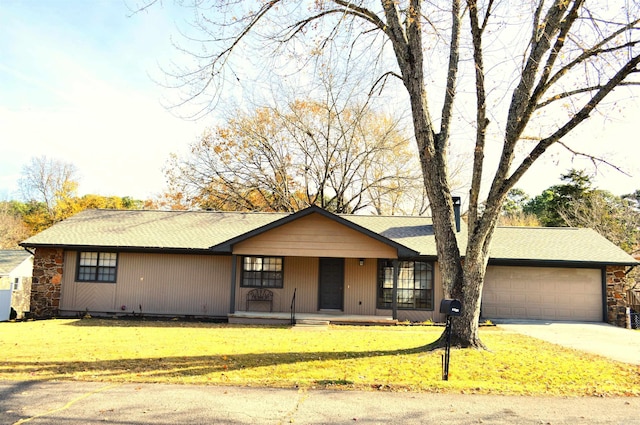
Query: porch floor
{"points": [[265, 317]]}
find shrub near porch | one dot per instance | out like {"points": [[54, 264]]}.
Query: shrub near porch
{"points": [[345, 357]]}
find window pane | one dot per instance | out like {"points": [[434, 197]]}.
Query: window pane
{"points": [[270, 279], [251, 279], [88, 258], [97, 266], [106, 274], [86, 273], [386, 298], [252, 263], [388, 277], [107, 259], [272, 264], [420, 299], [405, 275], [415, 285], [262, 272]]}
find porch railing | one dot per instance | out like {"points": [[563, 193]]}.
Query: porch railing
{"points": [[293, 307]]}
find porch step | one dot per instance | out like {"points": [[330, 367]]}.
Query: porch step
{"points": [[307, 319], [311, 323]]}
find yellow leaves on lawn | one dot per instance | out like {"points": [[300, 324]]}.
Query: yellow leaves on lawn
{"points": [[345, 357]]}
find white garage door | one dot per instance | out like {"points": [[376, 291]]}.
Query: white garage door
{"points": [[542, 293]]}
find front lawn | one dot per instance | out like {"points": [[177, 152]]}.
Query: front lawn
{"points": [[345, 357]]}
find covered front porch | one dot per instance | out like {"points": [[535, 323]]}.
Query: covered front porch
{"points": [[325, 269], [335, 318]]}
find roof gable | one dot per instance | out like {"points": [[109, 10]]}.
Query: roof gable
{"points": [[402, 251]]}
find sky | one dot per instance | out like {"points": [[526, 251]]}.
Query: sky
{"points": [[76, 85]]}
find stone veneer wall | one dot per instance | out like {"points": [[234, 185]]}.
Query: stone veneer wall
{"points": [[617, 303], [48, 264]]}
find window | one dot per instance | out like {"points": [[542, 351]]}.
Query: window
{"points": [[16, 283], [415, 285], [262, 272], [97, 266]]}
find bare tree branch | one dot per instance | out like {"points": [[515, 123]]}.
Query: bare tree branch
{"points": [[581, 90], [596, 160], [578, 118]]}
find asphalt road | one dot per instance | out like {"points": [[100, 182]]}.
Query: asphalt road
{"points": [[78, 403]]}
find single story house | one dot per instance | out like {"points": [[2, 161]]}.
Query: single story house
{"points": [[16, 266], [236, 265]]}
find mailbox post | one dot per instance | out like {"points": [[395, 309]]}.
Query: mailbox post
{"points": [[450, 308]]}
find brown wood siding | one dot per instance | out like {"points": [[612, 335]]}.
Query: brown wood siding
{"points": [[197, 285], [83, 296], [360, 286], [300, 273], [315, 236]]}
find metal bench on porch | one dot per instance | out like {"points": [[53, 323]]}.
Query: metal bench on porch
{"points": [[260, 296]]}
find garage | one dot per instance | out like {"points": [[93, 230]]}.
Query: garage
{"points": [[542, 293]]}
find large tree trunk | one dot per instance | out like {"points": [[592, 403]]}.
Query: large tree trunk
{"points": [[465, 327], [432, 148], [465, 285]]}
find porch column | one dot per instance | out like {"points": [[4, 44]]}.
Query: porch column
{"points": [[394, 291], [232, 297]]}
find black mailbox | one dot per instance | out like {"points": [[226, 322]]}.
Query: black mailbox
{"points": [[450, 307]]}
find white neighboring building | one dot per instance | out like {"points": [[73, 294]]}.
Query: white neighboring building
{"points": [[16, 269]]}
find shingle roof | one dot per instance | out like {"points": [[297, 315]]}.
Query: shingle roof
{"points": [[150, 229], [10, 259], [567, 244], [200, 230], [415, 233]]}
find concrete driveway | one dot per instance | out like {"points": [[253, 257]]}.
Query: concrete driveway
{"points": [[597, 338]]}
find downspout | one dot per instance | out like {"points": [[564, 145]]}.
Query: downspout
{"points": [[605, 311], [232, 297], [30, 252], [394, 291], [456, 211]]}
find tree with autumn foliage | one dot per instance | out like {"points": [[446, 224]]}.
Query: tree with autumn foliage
{"points": [[45, 184], [342, 158], [520, 75], [49, 189], [13, 229]]}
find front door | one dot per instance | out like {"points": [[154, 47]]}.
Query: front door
{"points": [[331, 283]]}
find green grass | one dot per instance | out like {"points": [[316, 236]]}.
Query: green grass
{"points": [[344, 357]]}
